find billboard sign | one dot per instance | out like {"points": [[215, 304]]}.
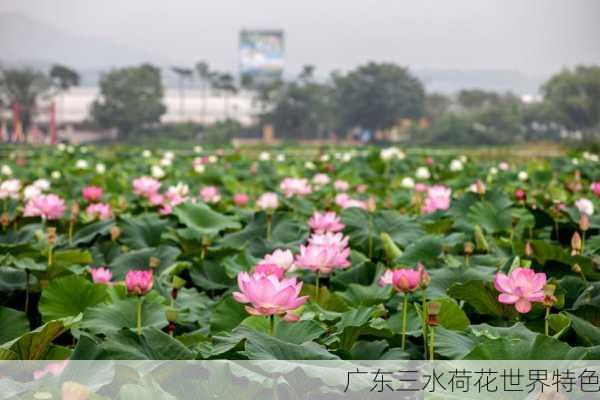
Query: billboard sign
{"points": [[261, 55]]}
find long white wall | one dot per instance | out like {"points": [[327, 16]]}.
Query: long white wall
{"points": [[74, 106]]}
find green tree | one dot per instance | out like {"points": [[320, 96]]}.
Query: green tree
{"points": [[477, 98], [23, 86], [377, 96], [64, 77], [574, 96], [436, 105], [130, 98], [302, 108]]}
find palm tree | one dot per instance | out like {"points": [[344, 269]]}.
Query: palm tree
{"points": [[63, 78], [226, 84], [204, 74], [183, 74]]}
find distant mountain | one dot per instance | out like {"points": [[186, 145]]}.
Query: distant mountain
{"points": [[24, 40]]}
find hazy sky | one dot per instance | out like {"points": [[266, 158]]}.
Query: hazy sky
{"points": [[532, 36]]}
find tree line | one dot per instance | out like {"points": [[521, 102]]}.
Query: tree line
{"points": [[369, 101]]}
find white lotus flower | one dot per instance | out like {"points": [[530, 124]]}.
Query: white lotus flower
{"points": [[81, 164], [523, 176], [456, 165], [585, 206], [423, 173], [408, 182], [157, 172], [6, 170]]}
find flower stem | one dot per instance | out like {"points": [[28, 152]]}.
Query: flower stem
{"points": [[404, 320], [547, 322], [424, 312], [271, 325], [26, 290], [432, 345], [71, 231], [370, 236], [49, 256], [317, 286], [139, 315], [269, 223]]}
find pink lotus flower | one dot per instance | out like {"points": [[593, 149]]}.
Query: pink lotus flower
{"points": [[295, 187], [139, 282], [99, 211], [522, 287], [177, 194], [268, 201], [101, 275], [269, 269], [323, 259], [520, 194], [438, 198], [165, 209], [325, 222], [146, 186], [269, 295], [405, 280], [46, 206], [282, 258], [344, 201], [329, 239], [421, 188], [53, 368], [240, 199], [341, 186], [321, 179], [595, 187], [210, 194], [478, 187], [156, 199], [92, 194], [362, 188]]}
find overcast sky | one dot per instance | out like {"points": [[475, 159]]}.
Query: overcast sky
{"points": [[532, 36]]}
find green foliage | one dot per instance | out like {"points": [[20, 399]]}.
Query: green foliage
{"points": [[130, 98]]}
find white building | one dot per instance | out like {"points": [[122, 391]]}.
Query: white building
{"points": [[191, 106]]}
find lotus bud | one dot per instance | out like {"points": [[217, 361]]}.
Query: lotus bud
{"points": [[5, 219], [154, 262], [469, 248], [480, 241], [51, 236], [584, 222], [74, 391], [389, 247], [528, 249], [549, 298], [576, 244], [372, 204], [115, 232], [433, 309], [75, 211], [425, 278]]}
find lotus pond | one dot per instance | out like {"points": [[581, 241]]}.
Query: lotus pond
{"points": [[358, 254]]}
